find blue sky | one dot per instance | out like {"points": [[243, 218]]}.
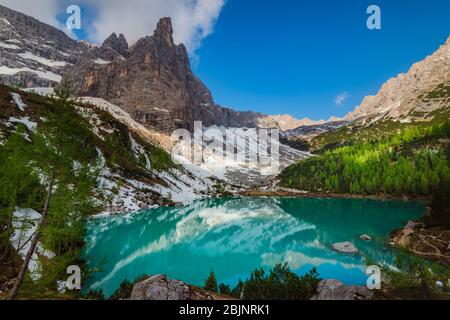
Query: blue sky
{"points": [[298, 56]]}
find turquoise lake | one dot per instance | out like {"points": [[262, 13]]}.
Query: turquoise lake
{"points": [[234, 236]]}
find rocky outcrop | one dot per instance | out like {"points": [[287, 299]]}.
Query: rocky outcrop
{"points": [[160, 288], [113, 47], [336, 290], [402, 237], [345, 247], [406, 97], [427, 242], [32, 53]]}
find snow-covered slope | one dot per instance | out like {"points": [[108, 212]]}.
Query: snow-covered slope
{"points": [[155, 180], [244, 161]]}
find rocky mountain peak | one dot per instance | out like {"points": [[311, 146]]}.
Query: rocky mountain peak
{"points": [[164, 26], [164, 32], [114, 46], [32, 53], [406, 97]]}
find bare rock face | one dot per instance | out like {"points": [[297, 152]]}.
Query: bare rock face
{"points": [[336, 290], [113, 47], [32, 53], [153, 82], [160, 288]]}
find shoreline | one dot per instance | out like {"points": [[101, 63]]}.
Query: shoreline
{"points": [[307, 194]]}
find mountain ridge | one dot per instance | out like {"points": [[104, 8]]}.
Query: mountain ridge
{"points": [[153, 81], [35, 54]]}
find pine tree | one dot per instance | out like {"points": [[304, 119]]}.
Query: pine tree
{"points": [[19, 188], [211, 283], [424, 185], [62, 156]]}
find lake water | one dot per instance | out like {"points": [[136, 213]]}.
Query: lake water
{"points": [[234, 236]]}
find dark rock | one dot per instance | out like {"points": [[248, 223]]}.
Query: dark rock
{"points": [[113, 47]]}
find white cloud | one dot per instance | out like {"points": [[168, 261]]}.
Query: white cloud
{"points": [[193, 20], [341, 98], [44, 10]]}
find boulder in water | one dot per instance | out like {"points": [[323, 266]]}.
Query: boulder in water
{"points": [[345, 247]]}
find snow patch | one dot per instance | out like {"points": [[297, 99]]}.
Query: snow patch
{"points": [[42, 91], [9, 46], [25, 222], [44, 61], [41, 74], [18, 101], [25, 121], [5, 21], [101, 61]]}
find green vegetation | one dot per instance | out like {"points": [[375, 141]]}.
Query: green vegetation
{"points": [[440, 208], [225, 290], [124, 291], [64, 147], [280, 283], [440, 92], [54, 171], [211, 283], [414, 161], [118, 148], [361, 132], [415, 279]]}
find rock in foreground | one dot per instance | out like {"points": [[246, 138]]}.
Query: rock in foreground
{"points": [[160, 288], [336, 290]]}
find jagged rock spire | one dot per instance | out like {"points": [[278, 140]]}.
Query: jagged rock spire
{"points": [[114, 45], [164, 31]]}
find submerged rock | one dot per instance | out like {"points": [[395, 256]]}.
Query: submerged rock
{"points": [[366, 237], [336, 290], [345, 247]]}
